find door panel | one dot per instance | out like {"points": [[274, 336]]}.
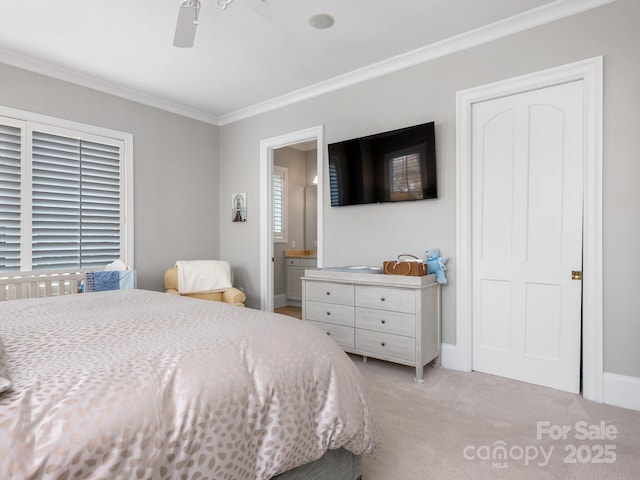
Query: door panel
{"points": [[496, 305], [544, 308], [527, 187], [546, 165], [497, 214]]}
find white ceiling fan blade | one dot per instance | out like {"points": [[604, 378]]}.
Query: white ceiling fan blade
{"points": [[187, 24]]}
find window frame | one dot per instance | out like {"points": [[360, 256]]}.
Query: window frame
{"points": [[282, 172], [28, 121]]}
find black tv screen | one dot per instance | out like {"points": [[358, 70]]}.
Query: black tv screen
{"points": [[394, 166]]}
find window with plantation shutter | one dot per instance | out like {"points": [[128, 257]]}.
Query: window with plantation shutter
{"points": [[76, 203], [62, 198], [279, 204]]}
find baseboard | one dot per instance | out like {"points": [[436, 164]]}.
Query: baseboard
{"points": [[280, 300], [621, 391], [618, 390]]}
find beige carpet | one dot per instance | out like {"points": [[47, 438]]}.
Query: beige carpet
{"points": [[450, 427]]}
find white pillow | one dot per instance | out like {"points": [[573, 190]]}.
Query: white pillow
{"points": [[5, 382]]}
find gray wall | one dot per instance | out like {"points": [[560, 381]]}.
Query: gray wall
{"points": [[177, 205], [371, 234]]}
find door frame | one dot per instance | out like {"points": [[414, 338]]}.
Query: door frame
{"points": [[267, 146], [590, 71]]}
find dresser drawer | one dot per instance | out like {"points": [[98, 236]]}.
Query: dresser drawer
{"points": [[386, 322], [386, 345], [329, 312], [343, 336], [329, 292], [384, 298]]}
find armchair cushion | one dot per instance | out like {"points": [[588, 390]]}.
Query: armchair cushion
{"points": [[231, 295]]}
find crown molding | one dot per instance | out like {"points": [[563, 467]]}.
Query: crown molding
{"points": [[523, 21], [71, 76]]}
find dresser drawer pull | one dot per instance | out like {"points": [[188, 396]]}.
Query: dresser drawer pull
{"points": [[329, 333], [382, 343], [328, 313], [383, 299], [328, 293], [383, 321]]}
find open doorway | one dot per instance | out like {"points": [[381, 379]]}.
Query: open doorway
{"points": [[295, 180], [271, 228]]}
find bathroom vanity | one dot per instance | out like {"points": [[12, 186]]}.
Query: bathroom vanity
{"points": [[296, 262]]}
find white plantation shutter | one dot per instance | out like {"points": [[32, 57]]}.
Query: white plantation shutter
{"points": [[279, 204], [11, 146], [101, 204], [56, 202], [76, 203], [61, 198]]}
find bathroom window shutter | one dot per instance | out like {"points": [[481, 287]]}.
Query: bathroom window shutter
{"points": [[75, 202], [279, 204], [11, 154]]}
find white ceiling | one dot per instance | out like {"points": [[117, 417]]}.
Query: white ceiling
{"points": [[250, 55]]}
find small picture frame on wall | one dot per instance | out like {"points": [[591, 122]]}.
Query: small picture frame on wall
{"points": [[239, 207]]}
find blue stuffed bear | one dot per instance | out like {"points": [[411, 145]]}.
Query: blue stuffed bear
{"points": [[436, 264]]}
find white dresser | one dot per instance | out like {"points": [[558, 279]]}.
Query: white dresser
{"points": [[389, 317]]}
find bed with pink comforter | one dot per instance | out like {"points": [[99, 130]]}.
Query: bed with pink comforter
{"points": [[138, 384]]}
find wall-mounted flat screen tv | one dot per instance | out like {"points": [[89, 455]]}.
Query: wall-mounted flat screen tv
{"points": [[394, 166]]}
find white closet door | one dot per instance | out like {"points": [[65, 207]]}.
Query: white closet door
{"points": [[527, 184]]}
